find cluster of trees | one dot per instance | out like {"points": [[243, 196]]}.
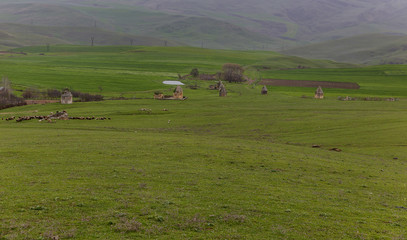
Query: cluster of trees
{"points": [[32, 93], [87, 97], [7, 98], [231, 72]]}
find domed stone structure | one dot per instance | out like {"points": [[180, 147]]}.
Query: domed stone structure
{"points": [[66, 97]]}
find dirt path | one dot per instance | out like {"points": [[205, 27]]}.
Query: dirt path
{"points": [[305, 83]]}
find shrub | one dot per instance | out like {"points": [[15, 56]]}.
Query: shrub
{"points": [[194, 73]]}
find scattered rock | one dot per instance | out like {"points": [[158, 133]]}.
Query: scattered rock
{"points": [[55, 116]]}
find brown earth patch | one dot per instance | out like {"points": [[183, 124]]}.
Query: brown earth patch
{"points": [[6, 52], [305, 83], [31, 102]]}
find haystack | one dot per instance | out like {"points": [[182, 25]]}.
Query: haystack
{"points": [[222, 90], [178, 93], [319, 94], [264, 90]]}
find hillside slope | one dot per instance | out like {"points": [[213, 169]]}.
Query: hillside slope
{"points": [[364, 49], [17, 35], [228, 24], [190, 30], [315, 20]]}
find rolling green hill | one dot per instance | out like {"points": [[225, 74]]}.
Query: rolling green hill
{"points": [[134, 68], [363, 49]]}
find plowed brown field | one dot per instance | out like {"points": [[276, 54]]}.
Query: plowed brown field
{"points": [[305, 83]]}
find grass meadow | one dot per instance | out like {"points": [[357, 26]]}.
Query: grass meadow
{"points": [[238, 167]]}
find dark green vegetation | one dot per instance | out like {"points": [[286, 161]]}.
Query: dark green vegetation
{"points": [[239, 167], [227, 24]]}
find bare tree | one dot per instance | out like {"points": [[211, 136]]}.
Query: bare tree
{"points": [[7, 86], [233, 72]]}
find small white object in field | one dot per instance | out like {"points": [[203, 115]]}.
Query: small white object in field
{"points": [[173, 83]]}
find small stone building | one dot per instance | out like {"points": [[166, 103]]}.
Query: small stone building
{"points": [[319, 94], [222, 90], [66, 97], [178, 93], [264, 90]]}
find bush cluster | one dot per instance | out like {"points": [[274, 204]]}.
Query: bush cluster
{"points": [[33, 93], [87, 97]]}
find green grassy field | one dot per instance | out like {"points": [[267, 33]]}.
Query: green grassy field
{"points": [[239, 167], [128, 70]]}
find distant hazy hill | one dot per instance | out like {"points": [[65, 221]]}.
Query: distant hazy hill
{"points": [[232, 24], [366, 49], [302, 21], [17, 35]]}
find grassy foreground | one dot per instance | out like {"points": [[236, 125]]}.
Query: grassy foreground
{"points": [[240, 167]]}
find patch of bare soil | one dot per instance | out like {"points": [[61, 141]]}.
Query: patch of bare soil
{"points": [[305, 83], [6, 52]]}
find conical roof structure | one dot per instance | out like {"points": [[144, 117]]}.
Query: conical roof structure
{"points": [[264, 90], [319, 94]]}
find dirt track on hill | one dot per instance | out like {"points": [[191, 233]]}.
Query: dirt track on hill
{"points": [[305, 83]]}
